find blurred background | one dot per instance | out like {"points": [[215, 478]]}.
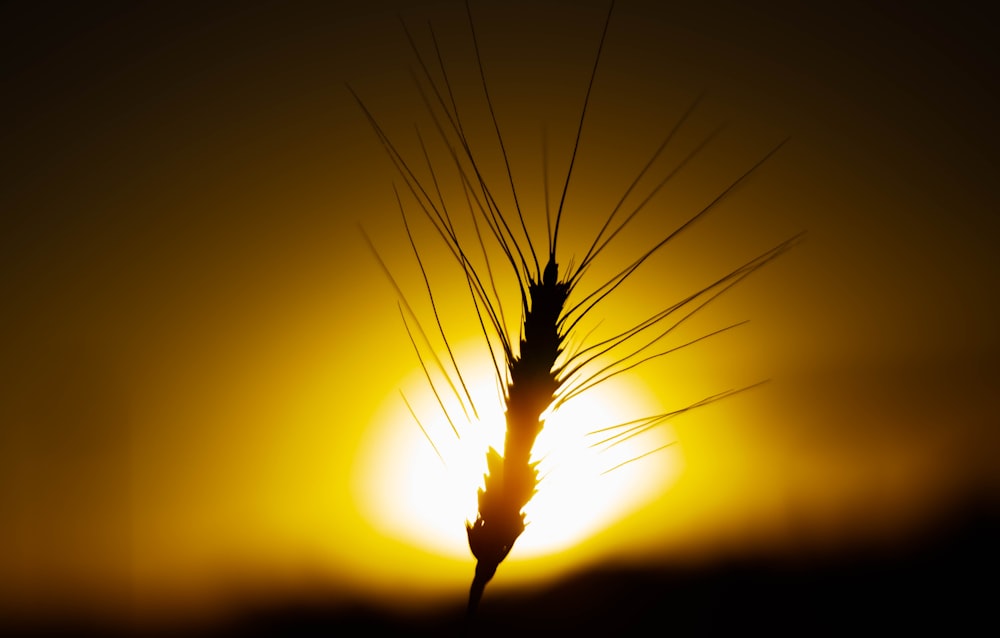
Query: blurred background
{"points": [[198, 344]]}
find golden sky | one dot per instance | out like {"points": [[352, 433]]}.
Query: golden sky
{"points": [[197, 343]]}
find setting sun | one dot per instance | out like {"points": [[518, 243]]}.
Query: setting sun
{"points": [[409, 492]]}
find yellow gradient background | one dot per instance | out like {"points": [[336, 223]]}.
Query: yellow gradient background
{"points": [[196, 342]]}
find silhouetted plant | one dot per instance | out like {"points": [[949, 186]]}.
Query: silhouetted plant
{"points": [[536, 370]]}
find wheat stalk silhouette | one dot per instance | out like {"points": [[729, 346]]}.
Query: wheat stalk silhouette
{"points": [[536, 370]]}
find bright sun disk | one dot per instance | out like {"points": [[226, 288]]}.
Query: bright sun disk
{"points": [[409, 493]]}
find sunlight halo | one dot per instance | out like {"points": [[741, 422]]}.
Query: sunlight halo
{"points": [[407, 492]]}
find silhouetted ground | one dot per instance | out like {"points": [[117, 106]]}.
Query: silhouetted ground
{"points": [[943, 582]]}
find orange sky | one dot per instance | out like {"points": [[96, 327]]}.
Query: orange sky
{"points": [[196, 339]]}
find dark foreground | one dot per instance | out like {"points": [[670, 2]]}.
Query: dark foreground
{"points": [[943, 582]]}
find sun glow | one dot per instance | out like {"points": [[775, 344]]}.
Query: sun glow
{"points": [[422, 494]]}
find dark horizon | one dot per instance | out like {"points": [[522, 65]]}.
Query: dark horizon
{"points": [[928, 583]]}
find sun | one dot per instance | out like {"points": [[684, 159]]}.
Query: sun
{"points": [[420, 487]]}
